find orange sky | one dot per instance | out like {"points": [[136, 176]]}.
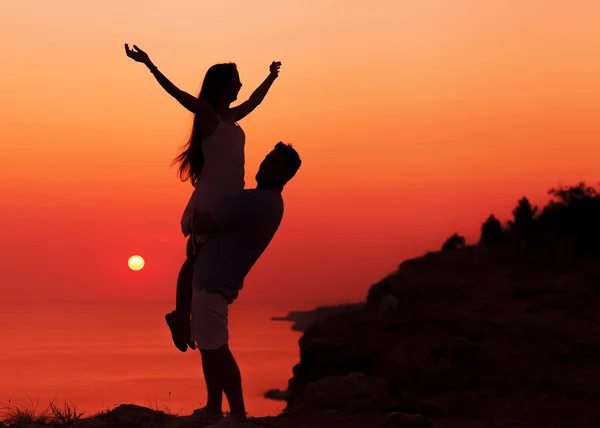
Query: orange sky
{"points": [[414, 119]]}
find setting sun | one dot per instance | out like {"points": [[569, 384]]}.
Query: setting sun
{"points": [[136, 262]]}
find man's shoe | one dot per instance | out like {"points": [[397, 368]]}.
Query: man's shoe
{"points": [[204, 418]]}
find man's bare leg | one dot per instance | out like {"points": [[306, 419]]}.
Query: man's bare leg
{"points": [[220, 367], [214, 381]]}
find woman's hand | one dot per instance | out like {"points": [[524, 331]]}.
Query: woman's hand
{"points": [[137, 54], [245, 108], [274, 68]]}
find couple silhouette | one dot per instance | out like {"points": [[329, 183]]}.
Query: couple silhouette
{"points": [[227, 227]]}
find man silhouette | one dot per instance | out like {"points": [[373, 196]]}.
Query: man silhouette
{"points": [[240, 230]]}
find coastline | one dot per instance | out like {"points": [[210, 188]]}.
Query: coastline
{"points": [[303, 320]]}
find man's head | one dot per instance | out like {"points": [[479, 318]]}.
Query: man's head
{"points": [[278, 167]]}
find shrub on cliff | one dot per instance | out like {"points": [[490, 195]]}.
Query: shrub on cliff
{"points": [[569, 224], [455, 242], [574, 212], [492, 232], [524, 217]]}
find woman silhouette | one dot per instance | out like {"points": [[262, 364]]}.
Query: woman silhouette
{"points": [[212, 160]]}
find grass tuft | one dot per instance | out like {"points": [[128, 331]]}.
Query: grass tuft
{"points": [[65, 415], [25, 411], [165, 408], [102, 414]]}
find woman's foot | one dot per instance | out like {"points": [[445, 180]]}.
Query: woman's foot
{"points": [[179, 332], [190, 342]]}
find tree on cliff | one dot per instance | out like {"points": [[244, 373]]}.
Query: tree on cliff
{"points": [[574, 213], [492, 232], [524, 216], [455, 242], [573, 194]]}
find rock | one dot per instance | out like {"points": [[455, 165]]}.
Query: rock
{"points": [[476, 336], [511, 423], [181, 422], [432, 408], [413, 404], [277, 394], [132, 416], [355, 391], [131, 411], [404, 420], [474, 358], [89, 423]]}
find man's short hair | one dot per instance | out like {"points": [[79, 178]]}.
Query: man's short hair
{"points": [[291, 155]]}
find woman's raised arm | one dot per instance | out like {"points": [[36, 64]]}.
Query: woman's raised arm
{"points": [[190, 102]]}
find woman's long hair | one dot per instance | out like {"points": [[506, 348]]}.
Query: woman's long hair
{"points": [[191, 158]]}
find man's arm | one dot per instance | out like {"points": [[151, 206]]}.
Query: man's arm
{"points": [[257, 97], [241, 208]]}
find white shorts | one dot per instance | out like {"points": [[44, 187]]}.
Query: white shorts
{"points": [[209, 320]]}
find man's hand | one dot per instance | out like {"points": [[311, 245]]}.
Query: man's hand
{"points": [[274, 68], [137, 54]]}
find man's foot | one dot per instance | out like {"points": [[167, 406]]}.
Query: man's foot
{"points": [[179, 332], [206, 418]]}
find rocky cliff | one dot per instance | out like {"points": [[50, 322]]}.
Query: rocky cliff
{"points": [[479, 339]]}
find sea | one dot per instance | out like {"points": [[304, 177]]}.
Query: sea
{"points": [[96, 355]]}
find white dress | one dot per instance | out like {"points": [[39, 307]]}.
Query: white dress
{"points": [[222, 176]]}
